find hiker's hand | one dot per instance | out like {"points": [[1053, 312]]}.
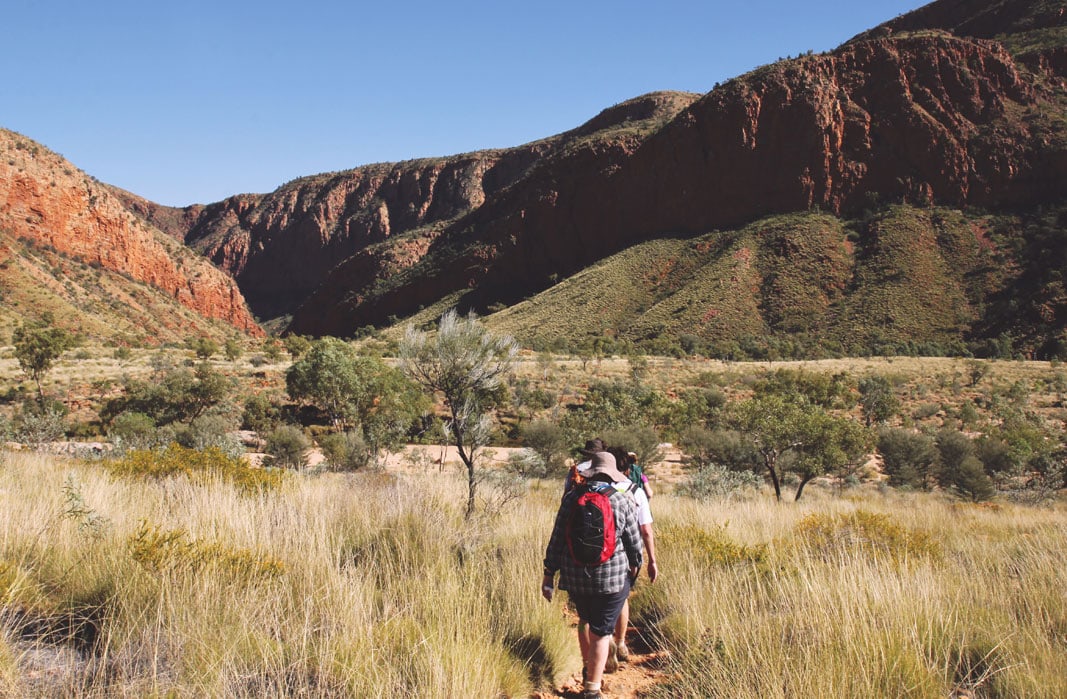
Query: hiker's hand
{"points": [[653, 571], [547, 588]]}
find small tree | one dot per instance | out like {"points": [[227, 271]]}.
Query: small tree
{"points": [[232, 349], [878, 400], [205, 348], [296, 345], [37, 347], [466, 364], [356, 392], [288, 447]]}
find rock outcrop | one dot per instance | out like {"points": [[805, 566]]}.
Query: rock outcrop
{"points": [[46, 202], [927, 118]]}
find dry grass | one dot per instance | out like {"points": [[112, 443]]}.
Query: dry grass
{"points": [[372, 585]]}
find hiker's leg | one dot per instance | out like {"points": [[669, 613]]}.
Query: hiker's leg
{"points": [[583, 641], [597, 657], [622, 624]]}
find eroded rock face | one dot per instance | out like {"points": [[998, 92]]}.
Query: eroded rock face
{"points": [[46, 201], [925, 118]]}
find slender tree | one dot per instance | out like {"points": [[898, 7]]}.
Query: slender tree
{"points": [[37, 347], [466, 364]]}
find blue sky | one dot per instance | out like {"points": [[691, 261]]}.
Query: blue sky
{"points": [[185, 102]]}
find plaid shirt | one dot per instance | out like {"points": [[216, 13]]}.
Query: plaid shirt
{"points": [[609, 576]]}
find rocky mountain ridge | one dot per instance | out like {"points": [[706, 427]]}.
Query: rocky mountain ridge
{"points": [[47, 204]]}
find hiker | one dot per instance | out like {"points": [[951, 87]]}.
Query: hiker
{"points": [[644, 524], [597, 589], [576, 474], [637, 474]]}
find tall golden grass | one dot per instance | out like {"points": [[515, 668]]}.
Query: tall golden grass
{"points": [[372, 585]]}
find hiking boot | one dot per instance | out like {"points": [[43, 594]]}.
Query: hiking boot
{"points": [[613, 659], [623, 653], [592, 694]]}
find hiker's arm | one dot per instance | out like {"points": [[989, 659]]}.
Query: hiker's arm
{"points": [[632, 539], [650, 551], [553, 555]]}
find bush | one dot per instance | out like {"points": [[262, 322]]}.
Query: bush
{"points": [[177, 460], [210, 431], [288, 447], [133, 430], [261, 414], [345, 451], [36, 427], [528, 463], [640, 439], [908, 458], [716, 482], [969, 479], [549, 441]]}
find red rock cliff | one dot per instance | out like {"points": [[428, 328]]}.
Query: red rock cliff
{"points": [[45, 200]]}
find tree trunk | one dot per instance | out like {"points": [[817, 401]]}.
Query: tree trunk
{"points": [[800, 488], [769, 459]]}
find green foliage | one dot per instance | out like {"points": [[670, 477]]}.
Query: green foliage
{"points": [[36, 424], [868, 533], [345, 451], [37, 347], [288, 447], [210, 463], [296, 345], [878, 400], [133, 430], [204, 348], [712, 548], [171, 395], [172, 551], [467, 365], [232, 349], [909, 458], [728, 449], [355, 391], [817, 443], [549, 441], [959, 468], [614, 406], [717, 482], [261, 413], [819, 388], [272, 349], [642, 440]]}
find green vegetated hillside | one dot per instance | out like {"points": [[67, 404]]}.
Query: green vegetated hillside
{"points": [[904, 279]]}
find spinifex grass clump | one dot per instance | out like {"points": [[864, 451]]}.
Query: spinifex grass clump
{"points": [[172, 550], [863, 532], [196, 464]]}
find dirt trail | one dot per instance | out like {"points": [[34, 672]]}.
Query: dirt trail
{"points": [[644, 669]]}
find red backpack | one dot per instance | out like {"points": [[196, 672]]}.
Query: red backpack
{"points": [[590, 530]]}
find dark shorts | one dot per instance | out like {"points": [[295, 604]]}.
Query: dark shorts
{"points": [[600, 611]]}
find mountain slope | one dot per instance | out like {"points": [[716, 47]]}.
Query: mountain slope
{"points": [[931, 118], [53, 217]]}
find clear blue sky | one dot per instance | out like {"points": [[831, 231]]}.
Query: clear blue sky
{"points": [[192, 101]]}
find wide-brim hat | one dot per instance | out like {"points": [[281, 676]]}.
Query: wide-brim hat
{"points": [[593, 446], [603, 463]]}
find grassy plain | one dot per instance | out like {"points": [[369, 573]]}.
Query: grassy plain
{"points": [[371, 584]]}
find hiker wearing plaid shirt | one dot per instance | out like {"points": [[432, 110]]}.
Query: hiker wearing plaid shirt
{"points": [[597, 592]]}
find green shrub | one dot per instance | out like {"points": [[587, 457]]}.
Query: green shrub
{"points": [[345, 451], [549, 441], [133, 430], [909, 458], [716, 482], [868, 533], [161, 551], [177, 460], [288, 447]]}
